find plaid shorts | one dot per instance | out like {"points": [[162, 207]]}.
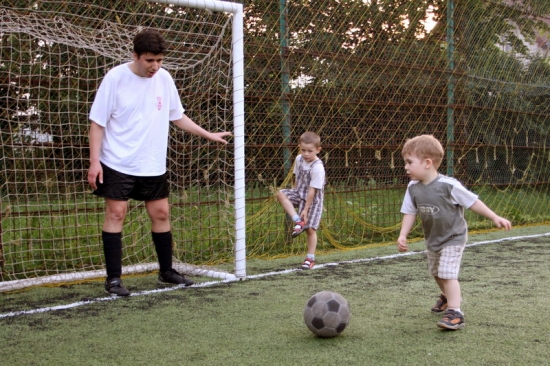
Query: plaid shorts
{"points": [[315, 210], [445, 263]]}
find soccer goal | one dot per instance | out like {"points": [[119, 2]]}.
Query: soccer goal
{"points": [[54, 54]]}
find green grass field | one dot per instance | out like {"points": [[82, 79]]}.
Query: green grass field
{"points": [[259, 321], [201, 233]]}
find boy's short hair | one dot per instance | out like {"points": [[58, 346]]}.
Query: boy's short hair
{"points": [[425, 147], [310, 138], [149, 41]]}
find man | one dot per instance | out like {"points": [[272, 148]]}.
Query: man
{"points": [[128, 145]]}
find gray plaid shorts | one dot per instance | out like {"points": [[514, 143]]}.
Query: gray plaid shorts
{"points": [[315, 210], [445, 263]]}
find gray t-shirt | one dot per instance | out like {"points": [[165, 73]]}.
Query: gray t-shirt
{"points": [[440, 205]]}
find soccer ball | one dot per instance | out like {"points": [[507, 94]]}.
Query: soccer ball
{"points": [[327, 314]]}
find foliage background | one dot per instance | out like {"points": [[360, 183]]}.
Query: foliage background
{"points": [[366, 75]]}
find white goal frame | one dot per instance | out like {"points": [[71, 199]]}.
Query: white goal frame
{"points": [[237, 36], [239, 169]]}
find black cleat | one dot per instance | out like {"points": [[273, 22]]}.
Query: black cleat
{"points": [[173, 277], [114, 286]]}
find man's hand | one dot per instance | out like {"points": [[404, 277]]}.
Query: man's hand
{"points": [[95, 172], [219, 136]]}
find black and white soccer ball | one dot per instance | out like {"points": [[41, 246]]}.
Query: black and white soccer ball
{"points": [[327, 314]]}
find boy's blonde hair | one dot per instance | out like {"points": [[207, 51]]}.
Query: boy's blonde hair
{"points": [[425, 147], [310, 138]]}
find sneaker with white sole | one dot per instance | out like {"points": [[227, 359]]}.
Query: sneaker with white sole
{"points": [[173, 277], [308, 263], [299, 228], [452, 320]]}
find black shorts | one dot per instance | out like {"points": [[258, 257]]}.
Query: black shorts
{"points": [[122, 187]]}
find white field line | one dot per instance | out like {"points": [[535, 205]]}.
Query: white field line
{"points": [[212, 283]]}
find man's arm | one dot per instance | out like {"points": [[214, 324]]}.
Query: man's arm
{"points": [[95, 139], [186, 124]]}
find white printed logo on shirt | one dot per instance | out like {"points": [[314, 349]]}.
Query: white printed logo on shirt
{"points": [[428, 209]]}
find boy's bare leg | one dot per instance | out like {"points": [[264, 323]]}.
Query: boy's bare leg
{"points": [[441, 283], [452, 292], [454, 317], [287, 205], [311, 240]]}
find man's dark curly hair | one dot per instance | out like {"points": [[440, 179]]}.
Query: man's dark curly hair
{"points": [[149, 41]]}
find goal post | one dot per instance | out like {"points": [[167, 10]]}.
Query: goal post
{"points": [[54, 55], [237, 36]]}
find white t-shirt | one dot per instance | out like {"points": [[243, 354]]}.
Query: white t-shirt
{"points": [[136, 113], [317, 173]]}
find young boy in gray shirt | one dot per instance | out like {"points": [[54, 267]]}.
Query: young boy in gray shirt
{"points": [[440, 202]]}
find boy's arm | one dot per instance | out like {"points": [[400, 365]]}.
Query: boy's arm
{"points": [[406, 227], [481, 209], [309, 200]]}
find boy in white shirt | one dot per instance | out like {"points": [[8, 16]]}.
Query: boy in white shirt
{"points": [[307, 194]]}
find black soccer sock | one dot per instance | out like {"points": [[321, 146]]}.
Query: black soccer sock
{"points": [[112, 248], [163, 246]]}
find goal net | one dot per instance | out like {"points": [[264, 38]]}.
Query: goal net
{"points": [[54, 54]]}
